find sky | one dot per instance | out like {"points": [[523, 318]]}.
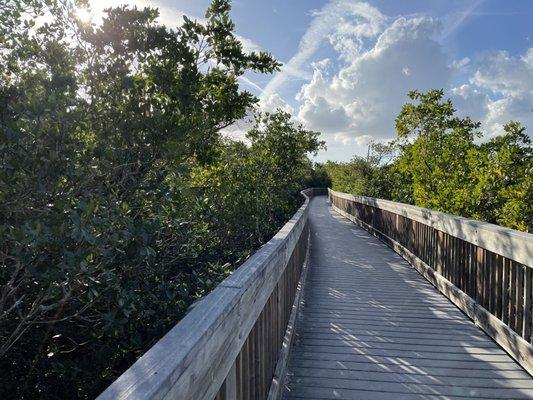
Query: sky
{"points": [[348, 65]]}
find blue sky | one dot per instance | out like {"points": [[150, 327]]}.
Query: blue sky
{"points": [[348, 64]]}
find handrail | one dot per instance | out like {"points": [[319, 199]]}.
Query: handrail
{"points": [[506, 242], [229, 344], [485, 269]]}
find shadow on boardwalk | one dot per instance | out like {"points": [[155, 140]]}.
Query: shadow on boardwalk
{"points": [[370, 327]]}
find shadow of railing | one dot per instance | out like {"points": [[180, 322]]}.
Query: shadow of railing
{"points": [[370, 324], [483, 268]]}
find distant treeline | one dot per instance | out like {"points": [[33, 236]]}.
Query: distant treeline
{"points": [[440, 161], [120, 202]]}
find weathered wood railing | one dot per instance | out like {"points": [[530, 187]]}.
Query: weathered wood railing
{"points": [[485, 269], [228, 346]]}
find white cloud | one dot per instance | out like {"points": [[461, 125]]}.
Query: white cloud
{"points": [[500, 90], [470, 101], [337, 20], [460, 64], [509, 108], [323, 65], [319, 114], [364, 97], [380, 66], [363, 140], [501, 73], [248, 44], [273, 102]]}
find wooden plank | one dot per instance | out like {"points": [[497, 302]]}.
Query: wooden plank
{"points": [[440, 371], [421, 378], [314, 393], [414, 362], [423, 314], [372, 339], [341, 343], [270, 336], [459, 264], [263, 358], [348, 353], [322, 385], [437, 323]]}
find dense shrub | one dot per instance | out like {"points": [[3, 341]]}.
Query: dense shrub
{"points": [[120, 203]]}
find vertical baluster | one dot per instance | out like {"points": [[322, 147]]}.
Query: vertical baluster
{"points": [[446, 256], [230, 384], [472, 270], [246, 371], [479, 274], [460, 265], [239, 377], [440, 250], [489, 261], [520, 299], [453, 260], [499, 285], [506, 270], [252, 364], [260, 355], [512, 296], [528, 304]]}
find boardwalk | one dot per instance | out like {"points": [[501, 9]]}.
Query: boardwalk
{"points": [[370, 327]]}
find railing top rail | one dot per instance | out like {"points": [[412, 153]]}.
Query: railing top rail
{"points": [[510, 243], [196, 354]]}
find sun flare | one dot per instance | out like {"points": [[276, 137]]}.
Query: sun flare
{"points": [[84, 15]]}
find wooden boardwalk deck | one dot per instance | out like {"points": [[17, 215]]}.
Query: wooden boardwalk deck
{"points": [[370, 327]]}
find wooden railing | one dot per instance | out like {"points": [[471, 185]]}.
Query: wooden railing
{"points": [[228, 346], [485, 269]]}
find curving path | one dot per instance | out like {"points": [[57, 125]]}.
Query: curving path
{"points": [[370, 327]]}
